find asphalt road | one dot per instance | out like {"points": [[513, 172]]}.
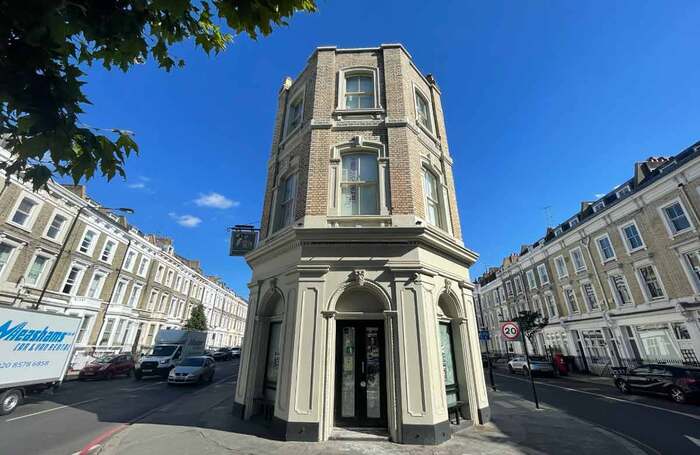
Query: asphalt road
{"points": [[65, 422], [655, 422]]}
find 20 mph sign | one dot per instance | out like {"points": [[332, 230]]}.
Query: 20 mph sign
{"points": [[510, 330]]}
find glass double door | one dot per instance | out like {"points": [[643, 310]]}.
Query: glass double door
{"points": [[360, 374]]}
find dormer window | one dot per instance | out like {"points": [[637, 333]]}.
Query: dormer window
{"points": [[558, 231], [598, 206], [573, 222], [624, 191]]}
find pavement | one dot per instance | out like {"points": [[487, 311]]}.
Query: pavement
{"points": [[204, 424], [81, 413]]}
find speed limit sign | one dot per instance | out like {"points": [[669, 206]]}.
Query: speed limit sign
{"points": [[510, 330]]}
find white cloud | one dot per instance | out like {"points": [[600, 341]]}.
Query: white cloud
{"points": [[599, 195], [188, 221], [215, 200], [140, 184]]}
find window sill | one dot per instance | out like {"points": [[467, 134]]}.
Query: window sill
{"points": [[684, 231], [427, 132], [20, 226], [371, 110], [641, 248]]}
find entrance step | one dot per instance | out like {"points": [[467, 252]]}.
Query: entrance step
{"points": [[359, 434]]}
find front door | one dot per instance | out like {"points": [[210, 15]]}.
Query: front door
{"points": [[360, 374]]}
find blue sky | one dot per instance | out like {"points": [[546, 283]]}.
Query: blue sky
{"points": [[547, 103]]}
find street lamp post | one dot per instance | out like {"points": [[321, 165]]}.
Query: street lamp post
{"points": [[54, 266]]}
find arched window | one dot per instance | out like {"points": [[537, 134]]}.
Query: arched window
{"points": [[359, 91], [359, 185], [432, 198], [423, 112]]}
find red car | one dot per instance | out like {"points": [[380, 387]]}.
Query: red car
{"points": [[107, 367]]}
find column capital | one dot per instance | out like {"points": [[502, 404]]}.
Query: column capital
{"points": [[329, 314]]}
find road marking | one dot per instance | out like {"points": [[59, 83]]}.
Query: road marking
{"points": [[53, 409], [607, 397], [693, 440]]}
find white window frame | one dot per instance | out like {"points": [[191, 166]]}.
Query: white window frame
{"points": [[694, 279], [279, 222], [584, 295], [134, 295], [98, 291], [625, 239], [643, 285], [441, 221], [563, 263], [62, 231], [116, 298], [144, 272], [509, 289], [130, 267], [613, 289], [299, 95], [548, 295], [576, 308], [518, 285], [418, 93], [4, 271], [669, 226], [598, 206], [573, 222], [152, 300], [78, 279], [358, 70], [603, 259], [624, 191], [169, 277], [42, 275], [33, 214], [160, 273], [531, 281], [573, 261], [112, 252], [93, 243], [542, 269]]}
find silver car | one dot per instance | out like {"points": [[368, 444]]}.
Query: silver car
{"points": [[193, 370], [539, 365]]}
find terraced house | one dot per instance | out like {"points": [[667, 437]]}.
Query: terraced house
{"points": [[618, 280], [61, 251]]}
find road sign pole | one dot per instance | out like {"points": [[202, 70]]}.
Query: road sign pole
{"points": [[529, 370]]}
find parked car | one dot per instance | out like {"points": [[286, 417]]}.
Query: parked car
{"points": [[539, 365], [680, 383], [235, 352], [108, 366], [193, 370], [222, 354]]}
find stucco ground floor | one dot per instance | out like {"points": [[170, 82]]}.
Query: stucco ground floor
{"points": [[361, 335], [659, 332]]}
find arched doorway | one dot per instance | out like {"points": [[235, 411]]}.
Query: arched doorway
{"points": [[360, 373], [269, 333]]}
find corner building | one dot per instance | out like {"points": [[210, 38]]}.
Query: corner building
{"points": [[361, 310]]}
